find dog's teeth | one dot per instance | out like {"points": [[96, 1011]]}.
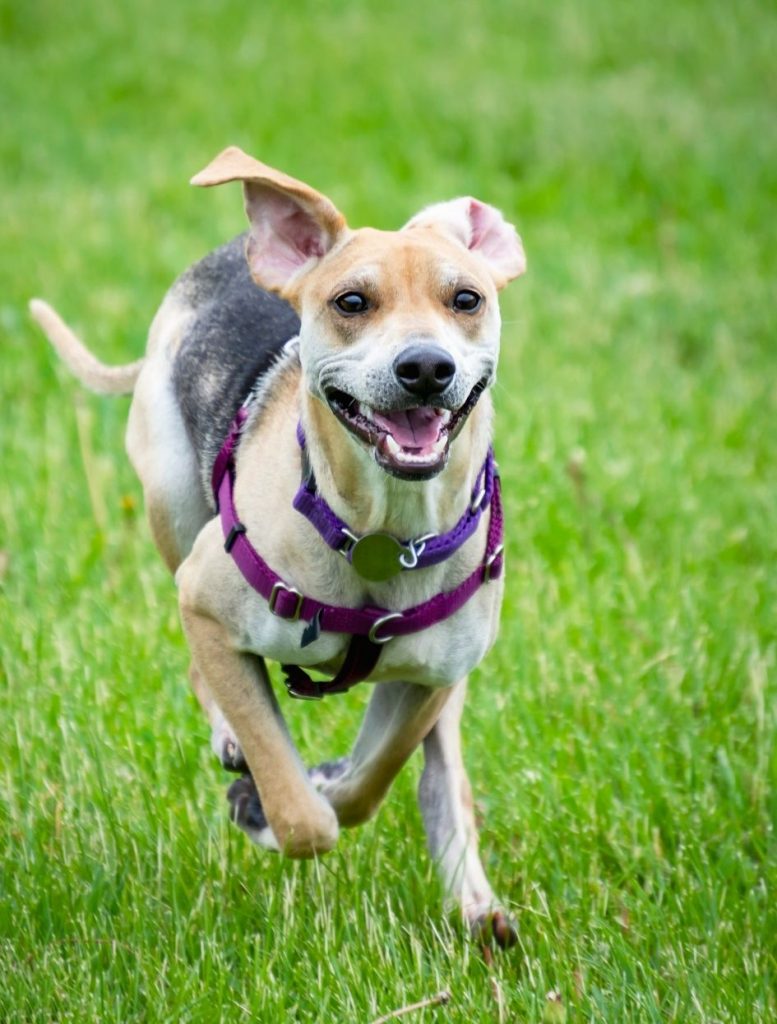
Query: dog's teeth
{"points": [[400, 454], [366, 411], [445, 417]]}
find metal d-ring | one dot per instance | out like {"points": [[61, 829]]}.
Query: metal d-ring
{"points": [[477, 501], [347, 545], [376, 626], [415, 550], [488, 568]]}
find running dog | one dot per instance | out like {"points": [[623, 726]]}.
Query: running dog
{"points": [[311, 425]]}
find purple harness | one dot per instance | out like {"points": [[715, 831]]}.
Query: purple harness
{"points": [[369, 627], [416, 553]]}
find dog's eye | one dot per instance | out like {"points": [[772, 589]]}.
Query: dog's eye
{"points": [[352, 302], [467, 301]]}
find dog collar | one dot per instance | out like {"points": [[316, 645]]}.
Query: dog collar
{"points": [[380, 556], [369, 627]]}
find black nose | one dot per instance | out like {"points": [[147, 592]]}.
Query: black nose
{"points": [[424, 370]]}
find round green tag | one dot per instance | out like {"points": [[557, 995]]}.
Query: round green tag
{"points": [[375, 557]]}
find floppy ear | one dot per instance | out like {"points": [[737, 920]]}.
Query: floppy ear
{"points": [[480, 228], [292, 225]]}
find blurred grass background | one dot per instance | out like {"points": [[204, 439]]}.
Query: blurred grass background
{"points": [[621, 737]]}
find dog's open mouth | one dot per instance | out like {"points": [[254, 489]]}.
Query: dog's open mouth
{"points": [[408, 443]]}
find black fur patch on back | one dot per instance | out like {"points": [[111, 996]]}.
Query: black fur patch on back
{"points": [[236, 334]]}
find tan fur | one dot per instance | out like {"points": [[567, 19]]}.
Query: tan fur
{"points": [[303, 822], [105, 380], [410, 277], [234, 165], [158, 446], [400, 715], [415, 298]]}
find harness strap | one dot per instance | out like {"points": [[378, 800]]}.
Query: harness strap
{"points": [[288, 603], [360, 659], [370, 626], [226, 455], [422, 552]]}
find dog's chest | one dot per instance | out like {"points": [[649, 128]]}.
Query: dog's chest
{"points": [[439, 655]]}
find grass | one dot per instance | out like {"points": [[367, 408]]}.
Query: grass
{"points": [[621, 737]]}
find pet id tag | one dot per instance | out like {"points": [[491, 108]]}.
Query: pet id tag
{"points": [[376, 557]]}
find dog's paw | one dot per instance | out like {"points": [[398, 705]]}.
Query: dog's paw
{"points": [[310, 835], [226, 748], [245, 809], [323, 775], [493, 925]]}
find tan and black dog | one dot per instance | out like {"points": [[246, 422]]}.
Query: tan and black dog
{"points": [[366, 375]]}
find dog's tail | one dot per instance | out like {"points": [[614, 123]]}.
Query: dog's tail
{"points": [[105, 380]]}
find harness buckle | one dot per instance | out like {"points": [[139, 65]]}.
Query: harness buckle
{"points": [[372, 635], [488, 568], [298, 695], [273, 600]]}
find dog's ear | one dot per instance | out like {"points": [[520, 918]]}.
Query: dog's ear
{"points": [[480, 228], [292, 225]]}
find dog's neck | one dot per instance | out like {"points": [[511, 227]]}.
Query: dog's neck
{"points": [[368, 498]]}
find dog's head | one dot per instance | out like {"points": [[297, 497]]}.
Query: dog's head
{"points": [[400, 330]]}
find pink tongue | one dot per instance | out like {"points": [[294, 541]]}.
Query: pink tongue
{"points": [[414, 428]]}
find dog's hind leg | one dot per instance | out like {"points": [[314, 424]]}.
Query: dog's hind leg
{"points": [[445, 797], [398, 717], [164, 458]]}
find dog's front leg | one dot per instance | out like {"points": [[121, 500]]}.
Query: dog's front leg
{"points": [[398, 717], [445, 797], [223, 740], [299, 821]]}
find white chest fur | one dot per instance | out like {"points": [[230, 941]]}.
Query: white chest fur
{"points": [[436, 656]]}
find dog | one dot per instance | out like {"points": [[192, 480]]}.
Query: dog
{"points": [[311, 425]]}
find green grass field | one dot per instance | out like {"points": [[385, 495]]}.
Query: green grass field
{"points": [[621, 737]]}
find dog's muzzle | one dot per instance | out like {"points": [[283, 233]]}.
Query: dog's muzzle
{"points": [[411, 443]]}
